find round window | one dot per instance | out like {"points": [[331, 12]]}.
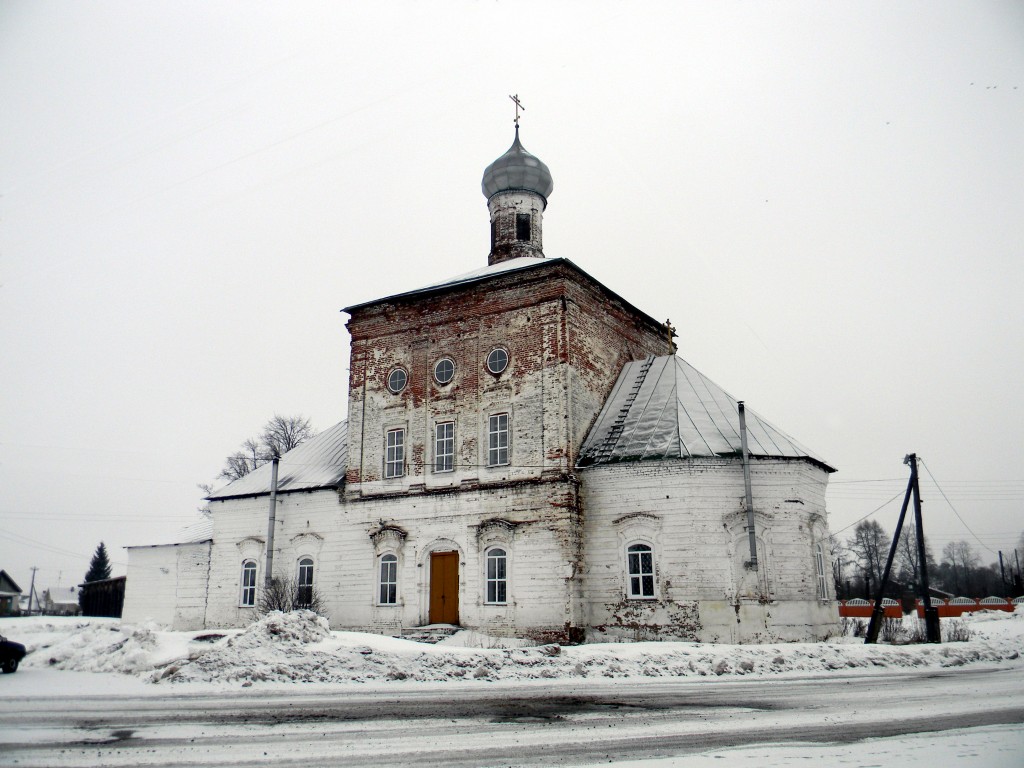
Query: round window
{"points": [[444, 370], [397, 380], [497, 360]]}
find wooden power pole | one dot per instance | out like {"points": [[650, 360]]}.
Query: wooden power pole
{"points": [[931, 615]]}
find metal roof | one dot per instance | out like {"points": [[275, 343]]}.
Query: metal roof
{"points": [[4, 576], [511, 265], [520, 263], [517, 169], [317, 463], [196, 533], [664, 408]]}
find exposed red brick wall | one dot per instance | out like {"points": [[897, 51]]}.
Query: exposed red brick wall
{"points": [[567, 339]]}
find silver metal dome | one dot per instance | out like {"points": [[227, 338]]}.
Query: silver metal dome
{"points": [[517, 169]]}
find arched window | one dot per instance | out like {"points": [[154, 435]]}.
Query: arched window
{"points": [[819, 565], [248, 596], [640, 562], [304, 591], [497, 576], [388, 580]]}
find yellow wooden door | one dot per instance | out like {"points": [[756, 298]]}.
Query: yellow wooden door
{"points": [[444, 588]]}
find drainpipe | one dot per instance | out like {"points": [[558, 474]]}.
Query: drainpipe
{"points": [[271, 524], [746, 483]]}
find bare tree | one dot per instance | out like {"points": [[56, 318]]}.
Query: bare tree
{"points": [[280, 435], [907, 561], [949, 559], [870, 548], [969, 578]]}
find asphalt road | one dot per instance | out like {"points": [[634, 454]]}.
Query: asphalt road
{"points": [[494, 725]]}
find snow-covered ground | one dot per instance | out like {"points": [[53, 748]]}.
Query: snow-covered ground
{"points": [[297, 652], [300, 648]]}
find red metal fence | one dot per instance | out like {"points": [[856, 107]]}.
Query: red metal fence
{"points": [[952, 608]]}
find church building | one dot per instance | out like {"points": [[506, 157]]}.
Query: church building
{"points": [[524, 455]]}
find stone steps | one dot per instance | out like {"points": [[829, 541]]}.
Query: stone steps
{"points": [[431, 633]]}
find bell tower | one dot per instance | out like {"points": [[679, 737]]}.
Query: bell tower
{"points": [[517, 186]]}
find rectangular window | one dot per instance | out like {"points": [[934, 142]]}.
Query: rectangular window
{"points": [[522, 226], [394, 455], [444, 447], [497, 440]]}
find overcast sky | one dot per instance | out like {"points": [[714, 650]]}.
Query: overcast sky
{"points": [[827, 199]]}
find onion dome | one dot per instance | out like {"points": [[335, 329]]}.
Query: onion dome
{"points": [[517, 169]]}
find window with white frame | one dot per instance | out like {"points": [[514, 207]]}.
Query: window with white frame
{"points": [[819, 565], [394, 453], [444, 370], [444, 446], [304, 584], [497, 360], [247, 599], [497, 576], [640, 562], [388, 594], [397, 380], [497, 440]]}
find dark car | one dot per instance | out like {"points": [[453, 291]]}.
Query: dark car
{"points": [[11, 654]]}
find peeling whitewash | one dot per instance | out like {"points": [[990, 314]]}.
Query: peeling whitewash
{"points": [[659, 443]]}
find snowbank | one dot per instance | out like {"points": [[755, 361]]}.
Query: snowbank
{"points": [[299, 647]]}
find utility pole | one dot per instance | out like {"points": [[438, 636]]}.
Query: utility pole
{"points": [[879, 610], [268, 577], [1002, 572], [931, 615], [32, 589], [1017, 581], [751, 535]]}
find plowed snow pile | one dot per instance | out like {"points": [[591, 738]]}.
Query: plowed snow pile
{"points": [[300, 647]]}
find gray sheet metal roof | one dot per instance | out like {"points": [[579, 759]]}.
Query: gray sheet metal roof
{"points": [[663, 408], [511, 265], [196, 533], [317, 463], [503, 267]]}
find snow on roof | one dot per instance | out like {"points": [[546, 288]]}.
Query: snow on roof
{"points": [[511, 265], [196, 533], [663, 407], [60, 595], [317, 463], [520, 263]]}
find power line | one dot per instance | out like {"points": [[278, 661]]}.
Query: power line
{"points": [[964, 522], [869, 514]]}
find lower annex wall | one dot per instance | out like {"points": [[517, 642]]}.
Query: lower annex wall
{"points": [[535, 523], [692, 514]]}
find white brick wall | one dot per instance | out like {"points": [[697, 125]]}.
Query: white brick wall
{"points": [[560, 573], [337, 534], [692, 512], [167, 585]]}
